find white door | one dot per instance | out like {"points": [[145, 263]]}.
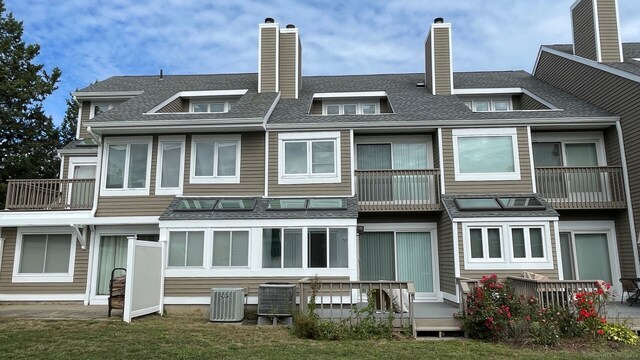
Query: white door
{"points": [[81, 195]]}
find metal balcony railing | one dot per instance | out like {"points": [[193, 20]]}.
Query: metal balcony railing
{"points": [[398, 190], [50, 194], [585, 187]]}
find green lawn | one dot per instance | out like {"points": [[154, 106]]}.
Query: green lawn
{"points": [[154, 337]]}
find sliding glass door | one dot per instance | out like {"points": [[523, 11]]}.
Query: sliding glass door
{"points": [[112, 254], [585, 256]]}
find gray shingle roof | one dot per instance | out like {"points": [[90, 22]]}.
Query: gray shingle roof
{"points": [[409, 102], [412, 103], [629, 51], [259, 212], [450, 205]]}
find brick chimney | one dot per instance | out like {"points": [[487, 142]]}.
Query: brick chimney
{"points": [[438, 58], [596, 34], [279, 59]]}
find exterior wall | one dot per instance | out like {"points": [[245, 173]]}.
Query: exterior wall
{"points": [[446, 254], [251, 171], [584, 37], [428, 64], [177, 105], [288, 65], [251, 182], [529, 103], [201, 286], [524, 185], [442, 58], [612, 147], [615, 94], [316, 107], [66, 160], [623, 234], [84, 117], [608, 25], [477, 274], [78, 286], [340, 189], [268, 56]]}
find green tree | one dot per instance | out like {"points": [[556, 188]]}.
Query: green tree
{"points": [[28, 138], [69, 123]]}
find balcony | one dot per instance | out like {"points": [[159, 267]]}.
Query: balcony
{"points": [[50, 194], [588, 187], [398, 190]]}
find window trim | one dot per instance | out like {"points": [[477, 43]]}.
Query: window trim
{"points": [[590, 137], [471, 104], [485, 243], [104, 191], [192, 103], [67, 277], [215, 179], [395, 140], [507, 261], [309, 177], [204, 249], [497, 176], [110, 105], [159, 190], [528, 258]]}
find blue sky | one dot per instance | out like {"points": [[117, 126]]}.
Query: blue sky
{"points": [[93, 40]]}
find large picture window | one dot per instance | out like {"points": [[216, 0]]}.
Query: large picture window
{"points": [[230, 248], [309, 158], [325, 248], [127, 166], [215, 159], [282, 248], [186, 248], [44, 257], [486, 154]]}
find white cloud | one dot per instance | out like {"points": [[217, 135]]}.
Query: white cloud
{"points": [[92, 40]]}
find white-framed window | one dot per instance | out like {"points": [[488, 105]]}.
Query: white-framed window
{"points": [[325, 248], [486, 105], [486, 154], [44, 255], [210, 106], [568, 149], [186, 249], [170, 167], [282, 248], [230, 248], [507, 245], [215, 159], [98, 107], [350, 108], [306, 158], [126, 164]]}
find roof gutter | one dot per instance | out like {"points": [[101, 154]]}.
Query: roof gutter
{"points": [[95, 137]]}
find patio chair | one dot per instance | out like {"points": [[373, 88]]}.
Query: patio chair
{"points": [[629, 287]]}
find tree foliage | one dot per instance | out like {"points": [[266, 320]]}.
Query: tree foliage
{"points": [[28, 138], [68, 126]]}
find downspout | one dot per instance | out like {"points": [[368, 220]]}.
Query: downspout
{"points": [[96, 190]]}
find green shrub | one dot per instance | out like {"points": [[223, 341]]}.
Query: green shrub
{"points": [[620, 333]]}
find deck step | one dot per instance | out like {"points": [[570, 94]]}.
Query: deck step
{"points": [[445, 327]]}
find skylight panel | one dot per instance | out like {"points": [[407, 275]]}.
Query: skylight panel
{"points": [[195, 205], [235, 204]]}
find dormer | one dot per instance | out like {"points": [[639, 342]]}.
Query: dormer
{"points": [[502, 100], [351, 103], [211, 101]]}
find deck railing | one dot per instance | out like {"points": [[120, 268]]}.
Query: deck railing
{"points": [[552, 293], [50, 194], [586, 187], [336, 300], [398, 190]]}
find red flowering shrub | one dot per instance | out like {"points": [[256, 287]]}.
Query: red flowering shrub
{"points": [[590, 307]]}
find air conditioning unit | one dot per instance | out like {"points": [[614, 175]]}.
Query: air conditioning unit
{"points": [[276, 299], [227, 305]]}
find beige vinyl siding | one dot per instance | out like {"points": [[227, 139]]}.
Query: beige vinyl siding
{"points": [[524, 185], [288, 65], [316, 107], [584, 36], [529, 103], [199, 286], [65, 167], [176, 106], [442, 60], [428, 64], [615, 94], [78, 286], [612, 146], [84, 117], [623, 234], [268, 70], [477, 274], [516, 102], [251, 170], [608, 24], [385, 106], [151, 205], [446, 254], [338, 189]]}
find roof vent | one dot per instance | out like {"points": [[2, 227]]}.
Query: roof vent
{"points": [[269, 20], [161, 74], [420, 84], [291, 26], [438, 20]]}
